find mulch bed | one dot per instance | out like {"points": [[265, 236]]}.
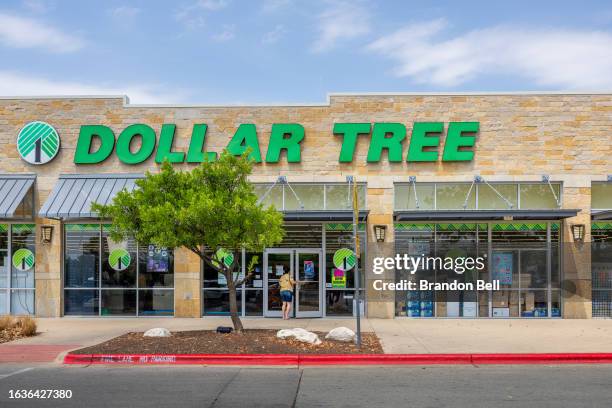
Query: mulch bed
{"points": [[10, 334], [210, 342]]}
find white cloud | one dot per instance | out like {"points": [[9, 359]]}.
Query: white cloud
{"points": [[16, 84], [211, 4], [273, 36], [124, 12], [38, 6], [341, 20], [566, 58], [192, 15], [21, 32], [227, 33]]}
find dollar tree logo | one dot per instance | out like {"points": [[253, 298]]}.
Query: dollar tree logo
{"points": [[38, 143], [224, 256], [119, 259], [23, 259], [344, 259]]}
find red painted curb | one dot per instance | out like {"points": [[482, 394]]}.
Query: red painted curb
{"points": [[340, 359], [203, 359], [383, 359], [542, 358]]}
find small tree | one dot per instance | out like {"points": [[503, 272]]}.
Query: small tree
{"points": [[211, 210]]}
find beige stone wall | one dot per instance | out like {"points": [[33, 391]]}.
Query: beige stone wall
{"points": [[48, 276], [187, 284], [521, 138]]}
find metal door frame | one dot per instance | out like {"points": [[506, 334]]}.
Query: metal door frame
{"points": [[293, 260], [296, 257], [291, 253]]}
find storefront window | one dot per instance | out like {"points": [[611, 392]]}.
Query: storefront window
{"points": [[601, 196], [215, 293], [23, 248], [482, 196], [529, 273], [405, 197], [273, 195], [415, 239], [522, 256], [601, 268], [340, 278], [538, 196], [453, 196], [315, 196], [311, 196], [4, 269], [17, 269], [107, 278], [489, 199]]}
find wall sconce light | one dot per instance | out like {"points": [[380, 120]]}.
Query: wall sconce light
{"points": [[46, 232], [380, 231], [578, 232]]}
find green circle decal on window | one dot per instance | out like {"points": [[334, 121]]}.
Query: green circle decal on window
{"points": [[38, 142], [225, 256], [119, 259], [345, 259], [23, 259]]}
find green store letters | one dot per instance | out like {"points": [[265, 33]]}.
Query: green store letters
{"points": [[97, 142]]}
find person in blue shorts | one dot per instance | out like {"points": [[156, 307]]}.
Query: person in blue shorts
{"points": [[286, 283]]}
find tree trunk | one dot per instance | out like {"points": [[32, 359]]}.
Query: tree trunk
{"points": [[233, 304]]}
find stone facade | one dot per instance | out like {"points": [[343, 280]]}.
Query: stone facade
{"points": [[521, 138]]}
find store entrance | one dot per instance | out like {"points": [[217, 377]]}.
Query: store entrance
{"points": [[304, 266]]}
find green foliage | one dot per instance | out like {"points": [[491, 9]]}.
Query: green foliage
{"points": [[212, 206]]}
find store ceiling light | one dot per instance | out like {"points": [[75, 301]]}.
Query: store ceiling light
{"points": [[380, 231], [578, 232]]}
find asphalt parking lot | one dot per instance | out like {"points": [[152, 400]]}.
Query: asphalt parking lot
{"points": [[410, 386]]}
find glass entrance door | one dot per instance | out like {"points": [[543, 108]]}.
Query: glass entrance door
{"points": [[276, 262], [308, 278], [304, 266]]}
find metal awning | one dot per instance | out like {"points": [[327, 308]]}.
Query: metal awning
{"points": [[73, 194], [434, 215], [331, 215], [601, 215], [13, 189]]}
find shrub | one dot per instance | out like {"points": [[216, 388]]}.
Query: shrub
{"points": [[6, 322], [27, 326]]}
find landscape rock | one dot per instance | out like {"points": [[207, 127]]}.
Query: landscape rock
{"points": [[341, 334], [300, 335], [157, 332]]}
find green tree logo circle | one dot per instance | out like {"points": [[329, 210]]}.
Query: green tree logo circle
{"points": [[23, 259], [38, 142], [345, 259], [119, 259], [224, 256]]}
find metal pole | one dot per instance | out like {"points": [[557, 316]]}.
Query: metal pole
{"points": [[356, 246]]}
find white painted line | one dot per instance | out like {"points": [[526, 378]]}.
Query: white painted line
{"points": [[23, 370]]}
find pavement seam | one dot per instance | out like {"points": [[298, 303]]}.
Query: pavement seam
{"points": [[297, 391], [225, 386]]}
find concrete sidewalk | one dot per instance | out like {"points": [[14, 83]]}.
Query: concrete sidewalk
{"points": [[405, 336]]}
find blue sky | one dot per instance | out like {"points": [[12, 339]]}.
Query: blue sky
{"points": [[290, 51]]}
